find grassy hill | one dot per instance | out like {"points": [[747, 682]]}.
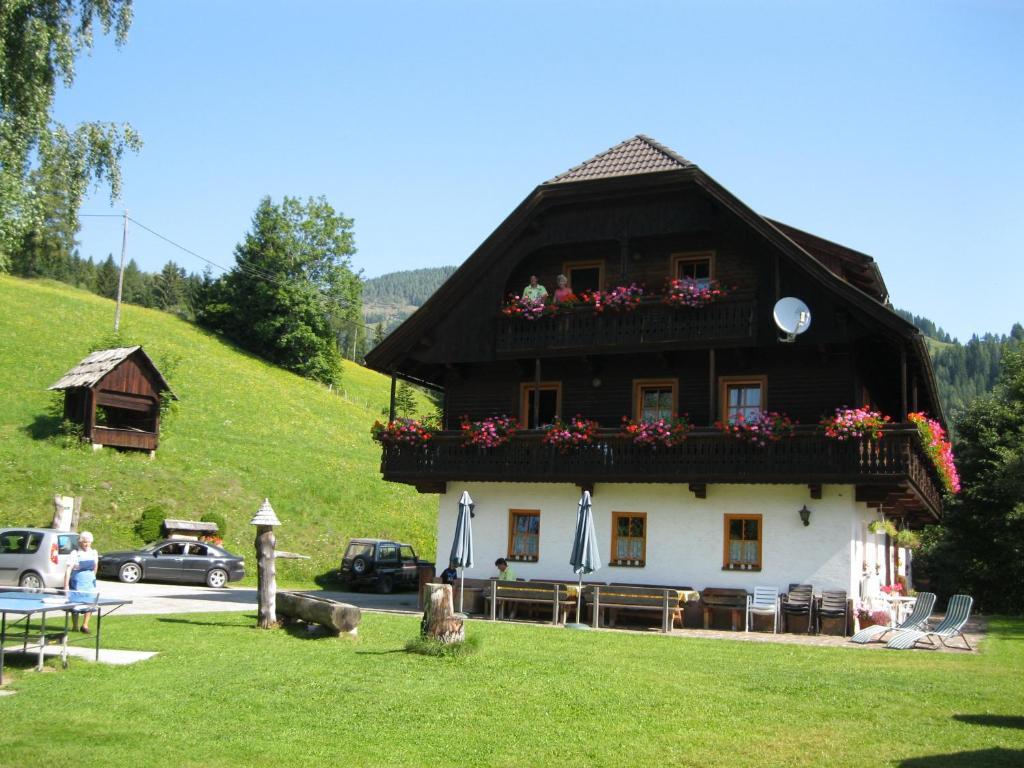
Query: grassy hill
{"points": [[243, 430]]}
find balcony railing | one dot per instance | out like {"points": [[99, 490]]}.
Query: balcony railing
{"points": [[707, 456], [652, 324]]}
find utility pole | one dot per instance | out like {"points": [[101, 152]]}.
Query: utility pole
{"points": [[120, 275]]}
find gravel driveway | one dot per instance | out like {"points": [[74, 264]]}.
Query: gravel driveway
{"points": [[154, 598]]}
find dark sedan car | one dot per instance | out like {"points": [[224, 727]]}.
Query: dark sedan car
{"points": [[174, 560]]}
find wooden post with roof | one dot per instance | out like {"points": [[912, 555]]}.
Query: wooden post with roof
{"points": [[114, 394], [265, 521]]}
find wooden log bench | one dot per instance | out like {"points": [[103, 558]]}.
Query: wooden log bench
{"points": [[561, 597], [335, 617], [615, 598], [724, 598]]}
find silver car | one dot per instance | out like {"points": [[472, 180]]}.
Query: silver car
{"points": [[35, 557]]}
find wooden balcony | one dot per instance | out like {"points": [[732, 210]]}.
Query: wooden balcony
{"points": [[893, 473], [652, 325]]}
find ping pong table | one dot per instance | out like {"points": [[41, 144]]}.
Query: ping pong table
{"points": [[22, 605]]}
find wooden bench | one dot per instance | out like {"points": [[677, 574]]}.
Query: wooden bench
{"points": [[614, 598], [734, 600], [560, 597]]}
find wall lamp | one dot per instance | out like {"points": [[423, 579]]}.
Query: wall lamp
{"points": [[805, 515]]}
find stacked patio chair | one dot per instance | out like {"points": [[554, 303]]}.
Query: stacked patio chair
{"points": [[799, 602], [764, 602], [918, 619], [833, 606], [957, 613]]}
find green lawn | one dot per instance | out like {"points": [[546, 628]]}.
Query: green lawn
{"points": [[222, 693], [244, 430]]}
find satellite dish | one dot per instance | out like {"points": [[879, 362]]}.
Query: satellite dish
{"points": [[792, 317]]}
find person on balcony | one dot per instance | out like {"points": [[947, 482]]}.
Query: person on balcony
{"points": [[563, 291], [535, 291]]}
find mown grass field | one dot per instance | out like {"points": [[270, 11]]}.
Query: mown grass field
{"points": [[243, 430], [222, 693]]}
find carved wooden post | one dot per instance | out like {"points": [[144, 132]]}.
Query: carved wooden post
{"points": [[439, 618], [265, 520]]}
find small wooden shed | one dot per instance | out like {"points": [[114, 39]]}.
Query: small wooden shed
{"points": [[115, 395]]}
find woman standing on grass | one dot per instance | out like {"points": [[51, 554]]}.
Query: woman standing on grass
{"points": [[80, 575]]}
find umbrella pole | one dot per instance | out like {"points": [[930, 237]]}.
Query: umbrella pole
{"points": [[462, 588], [579, 597]]}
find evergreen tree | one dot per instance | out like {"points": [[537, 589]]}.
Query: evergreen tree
{"points": [[136, 289], [106, 278], [169, 287], [405, 400]]}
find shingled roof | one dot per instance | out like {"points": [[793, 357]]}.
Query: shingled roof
{"points": [[640, 154], [95, 366]]}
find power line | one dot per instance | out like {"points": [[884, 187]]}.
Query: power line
{"points": [[248, 269]]}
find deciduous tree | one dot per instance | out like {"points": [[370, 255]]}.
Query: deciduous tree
{"points": [[979, 549], [292, 282], [40, 40]]}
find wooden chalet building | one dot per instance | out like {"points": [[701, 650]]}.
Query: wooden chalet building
{"points": [[713, 511], [114, 394]]}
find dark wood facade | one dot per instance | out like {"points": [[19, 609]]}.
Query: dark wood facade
{"points": [[633, 229], [119, 407]]}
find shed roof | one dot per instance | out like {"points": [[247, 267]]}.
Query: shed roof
{"points": [[190, 525], [640, 154], [93, 367]]}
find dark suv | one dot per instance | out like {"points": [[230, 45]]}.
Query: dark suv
{"points": [[380, 563]]}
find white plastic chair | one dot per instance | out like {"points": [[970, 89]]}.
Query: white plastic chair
{"points": [[764, 602]]}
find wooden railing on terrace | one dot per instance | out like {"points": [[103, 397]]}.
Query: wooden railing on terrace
{"points": [[732, 321], [707, 456]]}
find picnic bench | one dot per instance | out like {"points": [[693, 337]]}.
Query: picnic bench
{"points": [[724, 598], [561, 597], [614, 598]]}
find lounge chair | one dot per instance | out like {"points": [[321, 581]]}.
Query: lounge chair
{"points": [[918, 619], [764, 602], [833, 606], [799, 602], [957, 613]]}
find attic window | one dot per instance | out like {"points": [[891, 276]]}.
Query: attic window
{"points": [[692, 266], [584, 275]]}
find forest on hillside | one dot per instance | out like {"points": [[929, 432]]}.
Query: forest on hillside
{"points": [[964, 371], [389, 299]]}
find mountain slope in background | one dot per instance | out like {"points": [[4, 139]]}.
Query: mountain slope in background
{"points": [[243, 430], [391, 298], [964, 371]]}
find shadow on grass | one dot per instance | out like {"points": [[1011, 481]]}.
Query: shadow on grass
{"points": [[982, 758], [43, 427], [195, 623], [995, 721]]}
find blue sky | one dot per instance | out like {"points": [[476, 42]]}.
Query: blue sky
{"points": [[894, 128]]}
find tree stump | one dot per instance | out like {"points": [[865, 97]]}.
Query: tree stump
{"points": [[266, 577], [440, 621]]}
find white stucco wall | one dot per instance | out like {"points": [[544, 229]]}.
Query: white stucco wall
{"points": [[684, 536]]}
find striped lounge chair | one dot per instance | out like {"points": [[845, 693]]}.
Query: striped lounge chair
{"points": [[918, 619], [957, 613]]}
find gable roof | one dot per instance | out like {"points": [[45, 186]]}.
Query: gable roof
{"points": [[640, 154], [93, 367], [642, 163]]}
